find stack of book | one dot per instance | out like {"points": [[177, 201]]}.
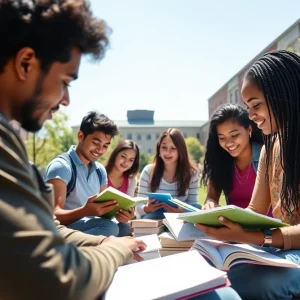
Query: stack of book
{"points": [[143, 227], [180, 236], [169, 245]]}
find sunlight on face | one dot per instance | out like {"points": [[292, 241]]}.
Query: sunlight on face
{"points": [[257, 107], [168, 151], [233, 137]]}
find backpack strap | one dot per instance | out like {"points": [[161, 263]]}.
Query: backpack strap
{"points": [[71, 185], [99, 175]]}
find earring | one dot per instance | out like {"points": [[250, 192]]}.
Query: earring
{"points": [[250, 134]]}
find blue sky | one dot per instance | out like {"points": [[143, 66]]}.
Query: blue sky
{"points": [[172, 55]]}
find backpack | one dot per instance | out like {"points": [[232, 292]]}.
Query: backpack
{"points": [[71, 185]]}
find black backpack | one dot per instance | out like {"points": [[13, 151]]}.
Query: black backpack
{"points": [[71, 185]]}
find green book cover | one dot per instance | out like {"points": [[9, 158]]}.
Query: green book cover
{"points": [[246, 218], [124, 200]]}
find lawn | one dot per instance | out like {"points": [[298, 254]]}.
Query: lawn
{"points": [[202, 196]]}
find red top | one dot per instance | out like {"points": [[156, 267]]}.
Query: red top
{"points": [[123, 188]]}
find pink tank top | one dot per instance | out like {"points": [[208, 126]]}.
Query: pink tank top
{"points": [[242, 186], [123, 188]]}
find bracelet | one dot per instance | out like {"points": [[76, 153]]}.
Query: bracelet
{"points": [[268, 238]]}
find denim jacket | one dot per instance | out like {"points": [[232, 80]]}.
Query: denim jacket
{"points": [[256, 148]]}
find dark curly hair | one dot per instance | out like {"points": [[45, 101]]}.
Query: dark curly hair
{"points": [[51, 28]]}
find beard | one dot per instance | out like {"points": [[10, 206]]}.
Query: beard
{"points": [[28, 120]]}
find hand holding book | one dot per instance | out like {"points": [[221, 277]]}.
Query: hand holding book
{"points": [[123, 216], [232, 231], [98, 209], [153, 206]]}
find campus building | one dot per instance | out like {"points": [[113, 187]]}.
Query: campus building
{"points": [[230, 92], [142, 128]]}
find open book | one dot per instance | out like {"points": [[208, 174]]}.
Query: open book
{"points": [[225, 255], [181, 231], [168, 199], [245, 217], [124, 200], [169, 274]]}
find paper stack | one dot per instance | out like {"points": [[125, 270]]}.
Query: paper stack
{"points": [[143, 227]]}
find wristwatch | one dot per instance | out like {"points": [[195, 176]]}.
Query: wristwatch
{"points": [[268, 238]]}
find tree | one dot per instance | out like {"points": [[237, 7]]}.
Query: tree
{"points": [[195, 149], [145, 159], [54, 138]]}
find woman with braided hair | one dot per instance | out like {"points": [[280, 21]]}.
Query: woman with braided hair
{"points": [[271, 92]]}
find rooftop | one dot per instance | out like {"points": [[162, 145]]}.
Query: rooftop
{"points": [[159, 123], [156, 123]]}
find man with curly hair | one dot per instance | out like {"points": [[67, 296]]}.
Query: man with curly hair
{"points": [[41, 45]]}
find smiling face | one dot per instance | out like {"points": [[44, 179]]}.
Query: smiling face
{"points": [[124, 160], [93, 146], [168, 151], [257, 107], [233, 137], [39, 94]]}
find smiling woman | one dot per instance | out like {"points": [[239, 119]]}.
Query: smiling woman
{"points": [[172, 172], [231, 157]]}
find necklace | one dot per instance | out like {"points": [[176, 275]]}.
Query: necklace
{"points": [[242, 179]]}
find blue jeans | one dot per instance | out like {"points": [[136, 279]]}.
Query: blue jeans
{"points": [[159, 214], [263, 282], [101, 226], [225, 293]]}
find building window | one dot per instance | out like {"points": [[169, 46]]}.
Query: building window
{"points": [[185, 135], [149, 151], [129, 136], [139, 137], [198, 136], [236, 96], [157, 136], [148, 136], [230, 98]]}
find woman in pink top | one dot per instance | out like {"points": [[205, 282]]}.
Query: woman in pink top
{"points": [[122, 167], [231, 158]]}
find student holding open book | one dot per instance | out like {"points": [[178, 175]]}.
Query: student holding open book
{"points": [[77, 177], [271, 92], [231, 159], [172, 172], [122, 167]]}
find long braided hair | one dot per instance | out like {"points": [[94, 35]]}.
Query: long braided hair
{"points": [[218, 166], [277, 75]]}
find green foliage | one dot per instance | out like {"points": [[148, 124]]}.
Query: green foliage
{"points": [[54, 138], [195, 149], [145, 159], [202, 192]]}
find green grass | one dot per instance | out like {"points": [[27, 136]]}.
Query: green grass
{"points": [[202, 196]]}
